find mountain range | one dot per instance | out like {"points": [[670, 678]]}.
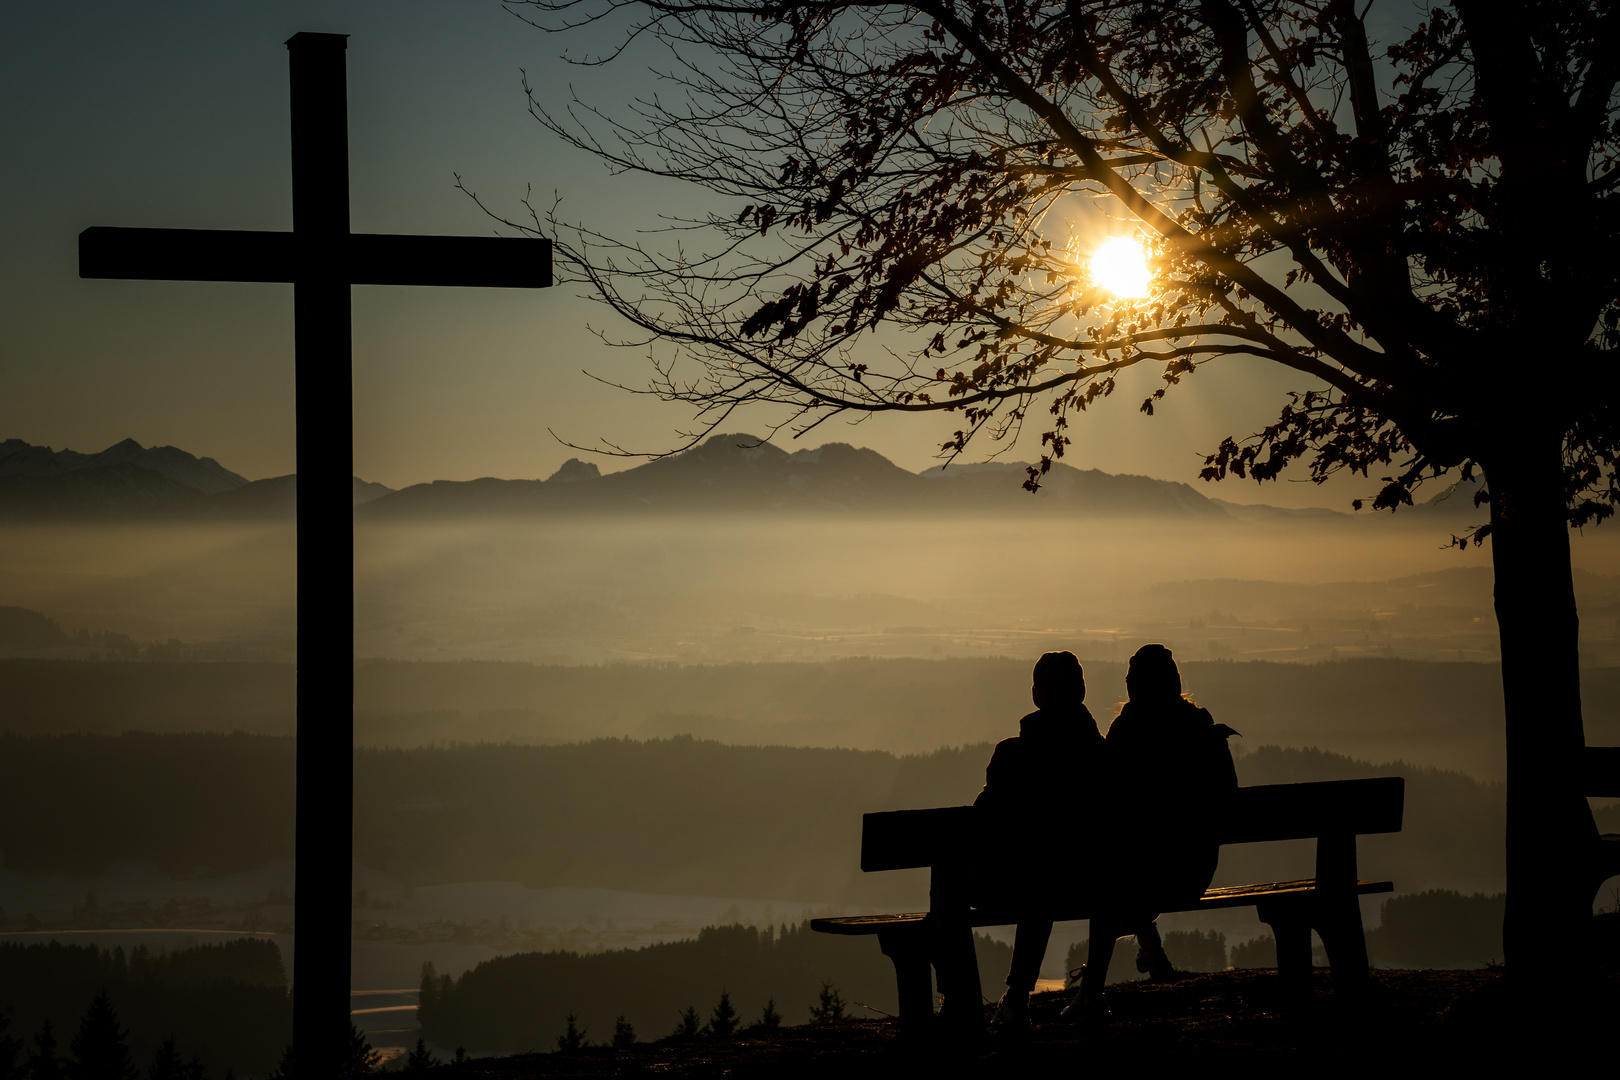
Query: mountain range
{"points": [[129, 481], [739, 472], [733, 472]]}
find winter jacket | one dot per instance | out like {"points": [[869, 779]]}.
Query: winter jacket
{"points": [[1171, 772]]}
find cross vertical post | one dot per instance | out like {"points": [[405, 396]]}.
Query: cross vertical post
{"points": [[321, 259], [325, 436]]}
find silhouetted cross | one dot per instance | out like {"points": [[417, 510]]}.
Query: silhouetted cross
{"points": [[321, 258]]}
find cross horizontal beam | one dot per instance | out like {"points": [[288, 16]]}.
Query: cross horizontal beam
{"points": [[372, 258]]}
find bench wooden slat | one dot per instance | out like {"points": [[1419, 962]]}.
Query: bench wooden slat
{"points": [[1306, 811], [1226, 897], [908, 839]]}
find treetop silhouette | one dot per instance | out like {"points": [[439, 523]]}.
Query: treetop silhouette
{"points": [[1408, 225]]}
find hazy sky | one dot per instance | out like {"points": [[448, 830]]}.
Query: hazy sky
{"points": [[175, 114]]}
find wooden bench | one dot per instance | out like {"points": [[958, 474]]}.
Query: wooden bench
{"points": [[1333, 813]]}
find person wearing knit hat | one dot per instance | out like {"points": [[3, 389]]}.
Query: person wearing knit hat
{"points": [[1033, 779]]}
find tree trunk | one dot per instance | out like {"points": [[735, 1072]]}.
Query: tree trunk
{"points": [[1550, 831]]}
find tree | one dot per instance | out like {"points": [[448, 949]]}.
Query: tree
{"points": [[689, 1026], [829, 1006], [43, 1064], [167, 1064], [362, 1059], [420, 1059], [11, 1048], [624, 1034], [770, 1018], [723, 1021], [1412, 226], [287, 1067], [101, 1048], [573, 1038]]}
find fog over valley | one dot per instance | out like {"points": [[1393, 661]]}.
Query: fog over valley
{"points": [[603, 712]]}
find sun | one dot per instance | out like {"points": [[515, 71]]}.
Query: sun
{"points": [[1120, 266]]}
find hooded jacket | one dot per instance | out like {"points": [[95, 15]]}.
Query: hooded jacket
{"points": [[1171, 772]]}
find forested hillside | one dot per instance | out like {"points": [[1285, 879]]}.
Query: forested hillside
{"points": [[226, 1004], [677, 815], [521, 1002]]}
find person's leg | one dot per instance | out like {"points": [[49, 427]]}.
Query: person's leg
{"points": [[1103, 936], [956, 970], [1029, 949], [1089, 1003], [1150, 955]]}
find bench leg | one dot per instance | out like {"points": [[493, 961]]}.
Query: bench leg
{"points": [[1338, 921], [1291, 927], [908, 949]]}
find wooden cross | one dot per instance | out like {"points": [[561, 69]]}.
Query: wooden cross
{"points": [[322, 259]]}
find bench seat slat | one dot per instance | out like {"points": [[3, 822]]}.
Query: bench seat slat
{"points": [[1226, 897]]}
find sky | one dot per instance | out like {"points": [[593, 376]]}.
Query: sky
{"points": [[174, 114]]}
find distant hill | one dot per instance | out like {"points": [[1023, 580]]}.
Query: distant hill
{"points": [[129, 481], [738, 472]]}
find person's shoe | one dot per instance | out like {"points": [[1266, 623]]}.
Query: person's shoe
{"points": [[1089, 1009], [1012, 1011], [1156, 965]]}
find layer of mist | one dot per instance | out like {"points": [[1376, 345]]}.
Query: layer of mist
{"points": [[740, 587]]}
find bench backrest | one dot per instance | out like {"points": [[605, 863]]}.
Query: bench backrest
{"points": [[906, 839]]}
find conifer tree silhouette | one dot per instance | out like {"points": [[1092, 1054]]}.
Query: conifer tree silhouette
{"points": [[419, 1060], [724, 1019], [573, 1038], [11, 1048], [43, 1064], [830, 1007], [287, 1068], [167, 1064], [689, 1025], [770, 1018], [362, 1060], [101, 1048], [624, 1035]]}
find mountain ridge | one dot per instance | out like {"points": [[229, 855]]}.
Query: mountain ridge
{"points": [[129, 481], [734, 472], [740, 472]]}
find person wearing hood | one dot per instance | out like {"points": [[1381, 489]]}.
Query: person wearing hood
{"points": [[1030, 789], [1171, 772]]}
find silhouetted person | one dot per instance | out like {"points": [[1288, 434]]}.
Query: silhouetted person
{"points": [[1031, 784], [1170, 772]]}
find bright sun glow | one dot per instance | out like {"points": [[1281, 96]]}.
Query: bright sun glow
{"points": [[1120, 266]]}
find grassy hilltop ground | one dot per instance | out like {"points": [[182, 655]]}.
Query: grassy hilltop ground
{"points": [[1233, 1019]]}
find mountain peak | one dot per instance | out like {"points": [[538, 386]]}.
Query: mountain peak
{"points": [[575, 471]]}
